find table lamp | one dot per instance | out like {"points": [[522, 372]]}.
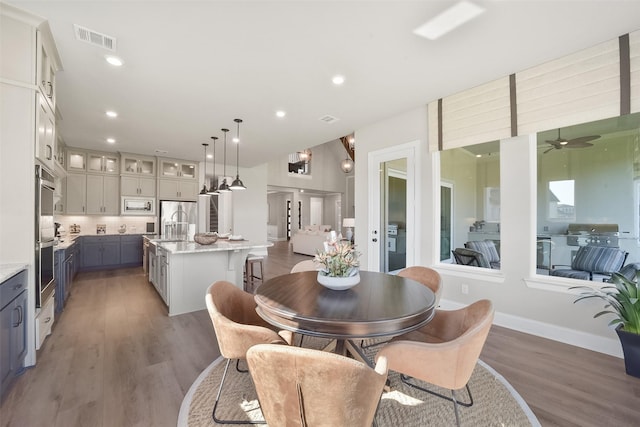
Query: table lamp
{"points": [[349, 224]]}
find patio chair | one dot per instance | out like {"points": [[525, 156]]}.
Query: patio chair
{"points": [[590, 260], [470, 257], [488, 249]]}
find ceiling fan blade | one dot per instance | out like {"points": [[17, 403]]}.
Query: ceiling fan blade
{"points": [[556, 143], [549, 149], [583, 139], [578, 144]]}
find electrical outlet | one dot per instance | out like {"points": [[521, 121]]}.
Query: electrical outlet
{"points": [[464, 288]]}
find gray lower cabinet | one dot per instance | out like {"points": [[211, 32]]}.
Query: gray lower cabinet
{"points": [[131, 250], [13, 328], [112, 251], [100, 251], [65, 267]]}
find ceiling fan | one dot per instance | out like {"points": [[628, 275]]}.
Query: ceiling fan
{"points": [[580, 142]]}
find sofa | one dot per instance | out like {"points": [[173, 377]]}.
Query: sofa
{"points": [[310, 239]]}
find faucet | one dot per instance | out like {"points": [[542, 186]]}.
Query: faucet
{"points": [[179, 229]]}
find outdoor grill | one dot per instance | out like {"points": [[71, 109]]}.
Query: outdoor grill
{"points": [[593, 235]]}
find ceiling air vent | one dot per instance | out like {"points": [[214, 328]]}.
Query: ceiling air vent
{"points": [[95, 38], [328, 119]]}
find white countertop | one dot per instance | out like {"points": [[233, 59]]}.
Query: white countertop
{"points": [[220, 245], [9, 270]]}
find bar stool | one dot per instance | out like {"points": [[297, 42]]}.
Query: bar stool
{"points": [[250, 273]]}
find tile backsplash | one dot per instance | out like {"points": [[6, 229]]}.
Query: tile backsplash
{"points": [[89, 224]]}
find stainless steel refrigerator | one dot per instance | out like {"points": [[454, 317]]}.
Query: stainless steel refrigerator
{"points": [[177, 220]]}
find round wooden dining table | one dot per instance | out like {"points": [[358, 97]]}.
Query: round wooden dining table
{"points": [[380, 305]]}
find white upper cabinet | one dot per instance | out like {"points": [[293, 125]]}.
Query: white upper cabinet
{"points": [[47, 65], [76, 160], [45, 133], [133, 164], [102, 163], [174, 168]]}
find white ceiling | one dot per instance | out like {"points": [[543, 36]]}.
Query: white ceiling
{"points": [[191, 67]]}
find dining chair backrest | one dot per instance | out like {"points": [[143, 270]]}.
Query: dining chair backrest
{"points": [[306, 265], [425, 275], [304, 387], [235, 321], [445, 351]]}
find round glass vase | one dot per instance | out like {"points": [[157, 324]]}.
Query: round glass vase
{"points": [[338, 283]]}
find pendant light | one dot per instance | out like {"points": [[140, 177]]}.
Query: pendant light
{"points": [[224, 187], [237, 183], [346, 165], [204, 185], [213, 188]]}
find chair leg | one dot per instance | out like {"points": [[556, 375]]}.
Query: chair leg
{"points": [[455, 407], [215, 405], [405, 379], [244, 371]]}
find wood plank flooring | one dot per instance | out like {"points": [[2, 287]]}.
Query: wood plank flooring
{"points": [[116, 359]]}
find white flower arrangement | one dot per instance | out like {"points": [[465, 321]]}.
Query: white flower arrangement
{"points": [[339, 259]]}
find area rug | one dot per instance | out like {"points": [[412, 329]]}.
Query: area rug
{"points": [[496, 403]]}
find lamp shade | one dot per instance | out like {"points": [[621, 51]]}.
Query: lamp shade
{"points": [[348, 222]]}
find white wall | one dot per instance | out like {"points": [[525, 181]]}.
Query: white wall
{"points": [[533, 304], [250, 205]]}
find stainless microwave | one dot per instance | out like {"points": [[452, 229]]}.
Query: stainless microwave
{"points": [[138, 206]]}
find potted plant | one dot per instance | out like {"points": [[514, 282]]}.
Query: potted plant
{"points": [[339, 262], [622, 300]]}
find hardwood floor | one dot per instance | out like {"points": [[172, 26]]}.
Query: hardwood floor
{"points": [[116, 359]]}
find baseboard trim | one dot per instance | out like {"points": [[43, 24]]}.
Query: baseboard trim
{"points": [[610, 346]]}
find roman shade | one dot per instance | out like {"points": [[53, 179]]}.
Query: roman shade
{"points": [[578, 88], [593, 84], [477, 115]]}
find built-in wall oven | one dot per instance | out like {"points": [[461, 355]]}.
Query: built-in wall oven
{"points": [[45, 234]]}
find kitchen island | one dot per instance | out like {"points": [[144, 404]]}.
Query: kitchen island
{"points": [[186, 269]]}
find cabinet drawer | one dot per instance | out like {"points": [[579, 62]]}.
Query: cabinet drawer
{"points": [[11, 288], [44, 322]]}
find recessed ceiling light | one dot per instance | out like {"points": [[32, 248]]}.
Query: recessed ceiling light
{"points": [[281, 113], [209, 156], [448, 20], [478, 155], [111, 140], [114, 60], [338, 80], [112, 114]]}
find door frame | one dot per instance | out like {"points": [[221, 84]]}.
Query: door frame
{"points": [[410, 151]]}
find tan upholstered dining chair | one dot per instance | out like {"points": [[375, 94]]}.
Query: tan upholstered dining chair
{"points": [[444, 352], [237, 327], [425, 275], [305, 387]]}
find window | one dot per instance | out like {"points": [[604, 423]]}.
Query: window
{"points": [[587, 190], [561, 200], [471, 213], [300, 163]]}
